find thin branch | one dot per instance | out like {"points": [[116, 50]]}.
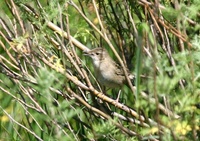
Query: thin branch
{"points": [[19, 124]]}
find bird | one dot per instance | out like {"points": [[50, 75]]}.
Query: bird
{"points": [[108, 73]]}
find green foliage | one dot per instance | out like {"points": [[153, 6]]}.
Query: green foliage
{"points": [[45, 92]]}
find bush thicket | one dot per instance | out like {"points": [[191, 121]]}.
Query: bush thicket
{"points": [[47, 87]]}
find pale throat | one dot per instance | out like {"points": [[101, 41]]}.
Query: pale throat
{"points": [[103, 65], [97, 62]]}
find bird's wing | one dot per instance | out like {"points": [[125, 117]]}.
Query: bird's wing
{"points": [[120, 71]]}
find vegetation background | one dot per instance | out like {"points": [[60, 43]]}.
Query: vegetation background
{"points": [[47, 87]]}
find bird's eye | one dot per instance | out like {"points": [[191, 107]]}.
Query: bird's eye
{"points": [[97, 53]]}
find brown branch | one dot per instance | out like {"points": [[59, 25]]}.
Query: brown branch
{"points": [[128, 131]]}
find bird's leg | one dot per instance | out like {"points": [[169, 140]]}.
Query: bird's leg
{"points": [[118, 96]]}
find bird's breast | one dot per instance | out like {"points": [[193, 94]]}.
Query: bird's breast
{"points": [[106, 75]]}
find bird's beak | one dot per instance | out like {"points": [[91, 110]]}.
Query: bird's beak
{"points": [[85, 52]]}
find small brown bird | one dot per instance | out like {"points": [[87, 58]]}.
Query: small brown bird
{"points": [[107, 71]]}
